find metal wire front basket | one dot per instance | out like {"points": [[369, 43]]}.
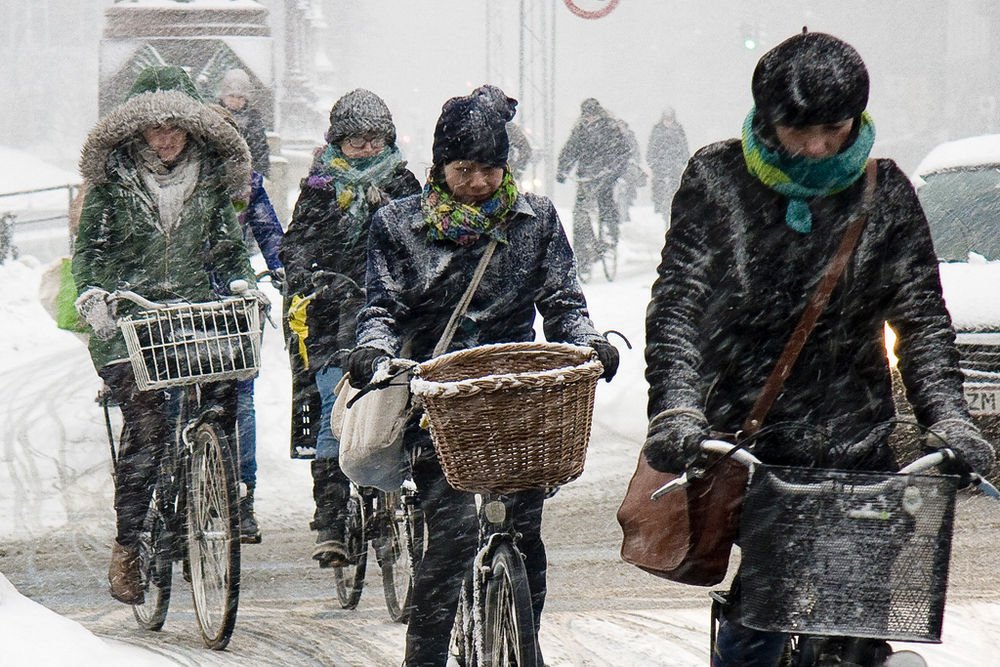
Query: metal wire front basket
{"points": [[194, 342], [857, 554]]}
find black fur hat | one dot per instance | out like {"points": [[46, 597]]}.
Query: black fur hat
{"points": [[474, 127], [810, 79]]}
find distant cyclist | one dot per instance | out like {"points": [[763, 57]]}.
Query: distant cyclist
{"points": [[755, 222], [163, 170], [599, 152]]}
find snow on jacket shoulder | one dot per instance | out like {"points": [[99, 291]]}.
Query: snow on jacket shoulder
{"points": [[414, 284], [734, 279]]}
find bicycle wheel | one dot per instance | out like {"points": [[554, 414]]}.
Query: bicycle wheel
{"points": [[399, 550], [214, 536], [463, 638], [509, 631], [155, 562], [350, 578]]}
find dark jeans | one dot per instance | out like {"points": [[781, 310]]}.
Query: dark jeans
{"points": [[452, 536], [246, 427], [146, 430]]}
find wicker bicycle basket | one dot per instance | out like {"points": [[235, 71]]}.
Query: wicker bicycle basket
{"points": [[193, 342], [510, 416], [859, 554]]}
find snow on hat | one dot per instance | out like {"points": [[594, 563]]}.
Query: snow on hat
{"points": [[236, 82], [357, 113], [810, 79], [474, 127]]}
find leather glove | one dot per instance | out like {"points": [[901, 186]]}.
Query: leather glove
{"points": [[278, 278], [98, 312], [673, 442], [361, 365], [608, 355], [975, 453]]}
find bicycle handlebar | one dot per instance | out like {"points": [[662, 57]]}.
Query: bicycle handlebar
{"points": [[723, 448]]}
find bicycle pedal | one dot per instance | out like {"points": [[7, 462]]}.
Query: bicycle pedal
{"points": [[251, 539]]}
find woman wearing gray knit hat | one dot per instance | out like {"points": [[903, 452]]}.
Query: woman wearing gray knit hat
{"points": [[421, 252], [357, 171]]}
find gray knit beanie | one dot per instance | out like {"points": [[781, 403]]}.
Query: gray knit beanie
{"points": [[360, 112]]}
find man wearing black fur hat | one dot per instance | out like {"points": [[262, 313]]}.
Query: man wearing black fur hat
{"points": [[754, 223], [421, 252]]}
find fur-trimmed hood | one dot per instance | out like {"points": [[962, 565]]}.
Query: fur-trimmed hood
{"points": [[157, 107]]}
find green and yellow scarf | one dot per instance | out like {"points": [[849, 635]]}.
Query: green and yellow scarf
{"points": [[801, 178], [450, 219]]}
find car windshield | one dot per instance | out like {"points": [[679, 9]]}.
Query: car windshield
{"points": [[963, 208]]}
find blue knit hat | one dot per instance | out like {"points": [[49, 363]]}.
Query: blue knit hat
{"points": [[474, 127]]}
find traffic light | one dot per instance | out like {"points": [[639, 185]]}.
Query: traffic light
{"points": [[751, 36]]}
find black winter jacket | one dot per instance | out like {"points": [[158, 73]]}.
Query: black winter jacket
{"points": [[414, 284], [321, 238], [734, 280]]}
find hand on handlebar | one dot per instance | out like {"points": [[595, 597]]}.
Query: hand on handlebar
{"points": [[98, 310], [673, 442], [974, 453], [361, 365]]}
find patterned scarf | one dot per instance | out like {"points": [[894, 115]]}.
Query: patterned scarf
{"points": [[350, 178], [465, 223], [801, 178]]}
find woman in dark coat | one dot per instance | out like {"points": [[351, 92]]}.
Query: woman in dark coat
{"points": [[421, 253], [359, 169], [754, 223]]}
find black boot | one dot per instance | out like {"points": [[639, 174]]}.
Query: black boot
{"points": [[331, 491], [249, 530]]}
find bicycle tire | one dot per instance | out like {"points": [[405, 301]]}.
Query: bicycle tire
{"points": [[155, 564], [462, 645], [214, 535], [509, 626], [350, 578], [399, 551]]}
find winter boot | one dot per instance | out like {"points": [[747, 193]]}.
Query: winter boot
{"points": [[331, 491], [249, 530], [124, 575]]}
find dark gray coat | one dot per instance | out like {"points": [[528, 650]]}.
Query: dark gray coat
{"points": [[734, 280], [414, 284]]}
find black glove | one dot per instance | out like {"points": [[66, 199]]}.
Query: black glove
{"points": [[361, 365], [560, 178], [608, 356], [278, 278], [975, 453], [674, 440]]}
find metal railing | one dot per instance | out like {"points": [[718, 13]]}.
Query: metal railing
{"points": [[20, 215]]}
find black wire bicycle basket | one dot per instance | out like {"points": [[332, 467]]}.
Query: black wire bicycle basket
{"points": [[860, 554], [194, 342]]}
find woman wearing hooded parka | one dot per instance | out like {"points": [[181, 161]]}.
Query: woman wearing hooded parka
{"points": [[422, 251], [753, 226], [163, 170]]}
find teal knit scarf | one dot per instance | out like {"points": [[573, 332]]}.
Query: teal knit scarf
{"points": [[801, 178]]}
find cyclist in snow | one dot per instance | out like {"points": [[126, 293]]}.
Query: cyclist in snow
{"points": [[666, 155], [356, 172], [753, 224], [163, 170], [235, 94], [422, 251], [599, 151]]}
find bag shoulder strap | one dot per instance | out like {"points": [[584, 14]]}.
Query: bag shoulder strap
{"points": [[817, 304], [463, 303]]}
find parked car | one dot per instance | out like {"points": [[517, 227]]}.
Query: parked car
{"points": [[958, 184]]}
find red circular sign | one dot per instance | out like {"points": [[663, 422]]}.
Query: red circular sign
{"points": [[591, 13]]}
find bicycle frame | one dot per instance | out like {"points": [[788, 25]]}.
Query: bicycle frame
{"points": [[496, 626]]}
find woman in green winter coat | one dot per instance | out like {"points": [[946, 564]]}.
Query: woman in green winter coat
{"points": [[163, 171]]}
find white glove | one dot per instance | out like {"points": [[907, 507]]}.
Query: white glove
{"points": [[375, 196], [95, 308]]}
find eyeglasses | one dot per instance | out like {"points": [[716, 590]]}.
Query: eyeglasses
{"points": [[361, 142]]}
